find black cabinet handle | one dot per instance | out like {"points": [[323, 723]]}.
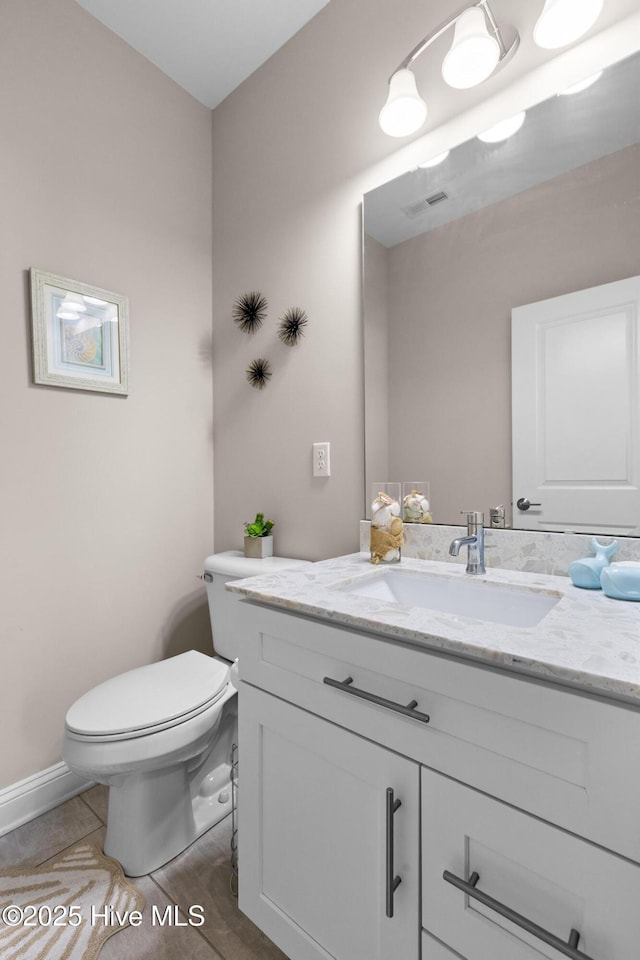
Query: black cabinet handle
{"points": [[392, 882], [469, 887], [408, 711]]}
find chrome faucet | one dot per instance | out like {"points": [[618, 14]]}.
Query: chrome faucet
{"points": [[474, 541]]}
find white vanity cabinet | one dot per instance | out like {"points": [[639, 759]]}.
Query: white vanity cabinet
{"points": [[533, 787], [329, 825]]}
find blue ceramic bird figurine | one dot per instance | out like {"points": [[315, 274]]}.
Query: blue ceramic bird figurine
{"points": [[586, 573]]}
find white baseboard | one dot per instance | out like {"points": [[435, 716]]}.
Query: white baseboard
{"points": [[27, 799]]}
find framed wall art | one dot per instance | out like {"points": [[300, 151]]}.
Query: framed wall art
{"points": [[80, 335]]}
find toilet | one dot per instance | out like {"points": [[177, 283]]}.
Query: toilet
{"points": [[160, 736]]}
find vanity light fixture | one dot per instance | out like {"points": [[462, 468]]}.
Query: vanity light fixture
{"points": [[564, 21], [504, 129], [478, 48]]}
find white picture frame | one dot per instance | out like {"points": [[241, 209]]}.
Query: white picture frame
{"points": [[80, 335]]}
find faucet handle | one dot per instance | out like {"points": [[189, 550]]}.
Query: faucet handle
{"points": [[474, 516]]}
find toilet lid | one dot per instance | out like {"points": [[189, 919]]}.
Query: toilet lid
{"points": [[158, 695]]}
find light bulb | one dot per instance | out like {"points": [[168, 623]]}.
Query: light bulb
{"points": [[405, 111], [564, 21], [503, 130], [474, 53]]}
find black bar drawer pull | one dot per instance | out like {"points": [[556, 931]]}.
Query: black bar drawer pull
{"points": [[392, 882], [408, 711], [469, 887]]}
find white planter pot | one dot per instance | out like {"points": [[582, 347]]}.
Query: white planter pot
{"points": [[258, 547]]}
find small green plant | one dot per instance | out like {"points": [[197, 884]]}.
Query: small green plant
{"points": [[259, 528]]}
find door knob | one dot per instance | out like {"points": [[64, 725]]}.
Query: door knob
{"points": [[524, 503]]}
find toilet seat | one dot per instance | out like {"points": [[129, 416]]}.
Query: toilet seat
{"points": [[149, 699]]}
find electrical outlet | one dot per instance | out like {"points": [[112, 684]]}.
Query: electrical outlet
{"points": [[321, 459]]}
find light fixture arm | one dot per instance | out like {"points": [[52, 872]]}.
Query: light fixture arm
{"points": [[505, 52]]}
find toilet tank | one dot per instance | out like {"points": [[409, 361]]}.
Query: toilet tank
{"points": [[219, 569]]}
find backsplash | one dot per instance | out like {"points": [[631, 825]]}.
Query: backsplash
{"points": [[528, 550]]}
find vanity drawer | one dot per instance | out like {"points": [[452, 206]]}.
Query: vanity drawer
{"points": [[570, 759], [556, 881]]}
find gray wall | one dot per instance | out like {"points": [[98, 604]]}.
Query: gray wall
{"points": [[105, 177]]}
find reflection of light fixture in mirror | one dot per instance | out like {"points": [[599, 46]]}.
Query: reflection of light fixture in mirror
{"points": [[95, 301], [564, 21], [434, 161], [474, 53], [73, 302], [581, 85], [503, 130], [68, 314], [478, 48]]}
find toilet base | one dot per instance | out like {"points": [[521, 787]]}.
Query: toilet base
{"points": [[154, 815], [153, 818]]}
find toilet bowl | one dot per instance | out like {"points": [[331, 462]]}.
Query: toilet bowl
{"points": [[161, 736]]}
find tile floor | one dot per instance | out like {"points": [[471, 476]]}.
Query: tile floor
{"points": [[201, 875]]}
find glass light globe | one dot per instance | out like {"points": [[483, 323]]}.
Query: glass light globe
{"points": [[503, 130], [434, 161], [405, 111], [474, 53], [563, 21], [581, 85]]}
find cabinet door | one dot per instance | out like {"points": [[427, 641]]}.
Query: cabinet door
{"points": [[314, 825], [549, 878], [433, 949]]}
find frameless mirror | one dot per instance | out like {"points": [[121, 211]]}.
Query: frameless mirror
{"points": [[452, 256]]}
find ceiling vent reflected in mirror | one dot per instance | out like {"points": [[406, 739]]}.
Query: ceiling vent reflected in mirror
{"points": [[414, 210]]}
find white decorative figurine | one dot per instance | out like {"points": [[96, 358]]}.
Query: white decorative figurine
{"points": [[416, 508], [386, 530]]}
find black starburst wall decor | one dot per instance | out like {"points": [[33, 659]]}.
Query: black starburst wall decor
{"points": [[291, 326], [249, 311], [259, 373]]}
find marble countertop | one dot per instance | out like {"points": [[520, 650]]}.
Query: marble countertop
{"points": [[587, 640]]}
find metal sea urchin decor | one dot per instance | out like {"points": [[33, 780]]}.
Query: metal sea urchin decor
{"points": [[249, 311], [258, 373], [291, 326]]}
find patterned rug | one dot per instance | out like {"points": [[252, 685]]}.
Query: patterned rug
{"points": [[65, 909]]}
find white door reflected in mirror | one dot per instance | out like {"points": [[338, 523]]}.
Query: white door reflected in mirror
{"points": [[576, 442]]}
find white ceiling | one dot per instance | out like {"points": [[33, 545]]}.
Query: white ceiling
{"points": [[207, 46]]}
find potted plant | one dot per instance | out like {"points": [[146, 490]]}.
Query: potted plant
{"points": [[258, 542]]}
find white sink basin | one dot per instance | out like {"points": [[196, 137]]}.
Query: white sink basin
{"points": [[497, 603]]}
